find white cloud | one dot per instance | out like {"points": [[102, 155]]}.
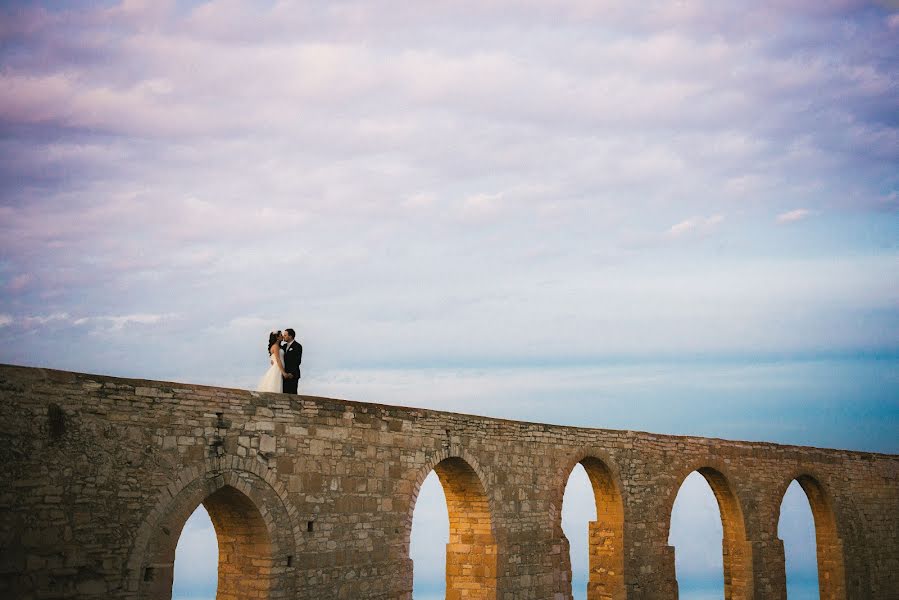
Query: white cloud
{"points": [[119, 322], [793, 216], [5, 320], [482, 206], [419, 201], [41, 320], [695, 226]]}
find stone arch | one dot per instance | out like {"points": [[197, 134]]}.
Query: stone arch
{"points": [[606, 535], [430, 465], [828, 541], [257, 533], [736, 549], [471, 554]]}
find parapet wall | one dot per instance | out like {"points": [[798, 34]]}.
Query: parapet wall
{"points": [[313, 498]]}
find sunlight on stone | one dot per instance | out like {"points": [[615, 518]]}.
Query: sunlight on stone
{"points": [[427, 544], [797, 530], [196, 559], [578, 509]]}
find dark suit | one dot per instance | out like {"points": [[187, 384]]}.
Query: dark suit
{"points": [[293, 356]]}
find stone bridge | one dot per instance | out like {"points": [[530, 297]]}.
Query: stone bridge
{"points": [[313, 498]]}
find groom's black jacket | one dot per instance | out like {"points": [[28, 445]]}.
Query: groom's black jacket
{"points": [[293, 356]]}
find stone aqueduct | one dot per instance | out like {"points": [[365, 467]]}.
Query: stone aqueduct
{"points": [[313, 498]]}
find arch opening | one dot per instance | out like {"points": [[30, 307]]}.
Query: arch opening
{"points": [[196, 558], [245, 563], [255, 538], [427, 541], [604, 541], [471, 559], [828, 545], [736, 554]]}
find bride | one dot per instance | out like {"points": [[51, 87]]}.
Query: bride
{"points": [[273, 380]]}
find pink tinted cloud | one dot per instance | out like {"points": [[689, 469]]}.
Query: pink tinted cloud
{"points": [[35, 99], [19, 282]]}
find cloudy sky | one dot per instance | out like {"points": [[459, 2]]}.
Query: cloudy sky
{"points": [[677, 216]]}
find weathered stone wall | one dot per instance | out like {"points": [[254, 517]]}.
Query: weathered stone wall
{"points": [[313, 497]]}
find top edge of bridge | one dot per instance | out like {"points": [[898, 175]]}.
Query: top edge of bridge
{"points": [[62, 376]]}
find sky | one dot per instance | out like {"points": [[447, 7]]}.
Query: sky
{"points": [[678, 217]]}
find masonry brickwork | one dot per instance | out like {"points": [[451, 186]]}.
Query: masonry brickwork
{"points": [[312, 498]]}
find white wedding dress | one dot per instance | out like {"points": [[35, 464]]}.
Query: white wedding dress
{"points": [[272, 381]]}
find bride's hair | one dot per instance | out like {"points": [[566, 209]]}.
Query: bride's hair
{"points": [[272, 338]]}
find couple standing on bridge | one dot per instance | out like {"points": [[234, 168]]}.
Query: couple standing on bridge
{"points": [[285, 354]]}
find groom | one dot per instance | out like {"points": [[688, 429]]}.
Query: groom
{"points": [[293, 356]]}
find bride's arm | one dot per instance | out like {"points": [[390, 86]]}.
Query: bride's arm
{"points": [[275, 352]]}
